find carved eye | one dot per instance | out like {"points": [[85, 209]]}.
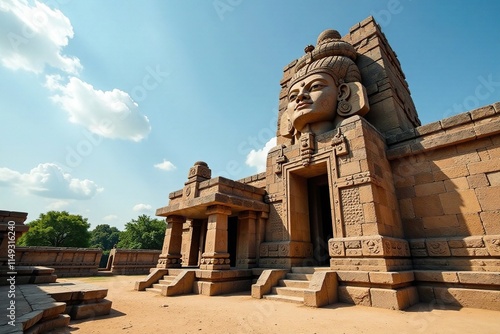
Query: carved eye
{"points": [[316, 86], [292, 97]]}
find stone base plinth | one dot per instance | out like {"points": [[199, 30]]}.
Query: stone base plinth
{"points": [[215, 261], [218, 282], [459, 288], [169, 262], [391, 290]]}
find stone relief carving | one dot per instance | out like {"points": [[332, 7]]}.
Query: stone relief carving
{"points": [[280, 160], [352, 209], [339, 143], [325, 88]]}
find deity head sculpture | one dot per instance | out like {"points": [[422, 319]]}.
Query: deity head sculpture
{"points": [[325, 88]]}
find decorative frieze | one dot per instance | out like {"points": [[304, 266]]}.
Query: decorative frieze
{"points": [[372, 246], [473, 246]]}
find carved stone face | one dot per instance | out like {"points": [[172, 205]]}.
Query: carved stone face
{"points": [[312, 100]]}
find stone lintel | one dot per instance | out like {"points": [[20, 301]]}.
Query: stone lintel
{"points": [[174, 219], [197, 207], [247, 215], [218, 209]]}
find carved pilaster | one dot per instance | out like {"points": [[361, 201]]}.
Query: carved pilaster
{"points": [[246, 253], [216, 255], [171, 253]]}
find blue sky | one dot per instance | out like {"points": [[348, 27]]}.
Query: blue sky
{"points": [[104, 105]]}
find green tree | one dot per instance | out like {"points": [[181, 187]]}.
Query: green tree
{"points": [[104, 237], [143, 233], [57, 229]]}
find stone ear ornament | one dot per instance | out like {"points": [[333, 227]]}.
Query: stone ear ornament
{"points": [[352, 100], [286, 126]]}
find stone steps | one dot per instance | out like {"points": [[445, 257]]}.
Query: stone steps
{"points": [[292, 292], [299, 277], [162, 283], [292, 283], [287, 299], [82, 300], [154, 290], [291, 288]]}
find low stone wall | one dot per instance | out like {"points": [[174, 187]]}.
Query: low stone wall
{"points": [[67, 261], [132, 261]]}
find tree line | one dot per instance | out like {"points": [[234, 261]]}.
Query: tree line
{"points": [[62, 229]]}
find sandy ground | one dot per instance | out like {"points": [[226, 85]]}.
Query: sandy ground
{"points": [[145, 312]]}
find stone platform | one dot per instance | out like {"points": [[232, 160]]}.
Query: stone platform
{"points": [[82, 300], [41, 308], [33, 312]]}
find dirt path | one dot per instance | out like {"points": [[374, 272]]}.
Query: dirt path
{"points": [[145, 312]]}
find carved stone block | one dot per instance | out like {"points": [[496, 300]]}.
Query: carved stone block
{"points": [[492, 244], [438, 247]]}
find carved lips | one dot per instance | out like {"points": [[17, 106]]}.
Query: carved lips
{"points": [[302, 105]]}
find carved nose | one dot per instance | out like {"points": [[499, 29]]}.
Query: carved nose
{"points": [[302, 96]]}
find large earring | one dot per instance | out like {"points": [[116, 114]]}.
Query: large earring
{"points": [[343, 107]]}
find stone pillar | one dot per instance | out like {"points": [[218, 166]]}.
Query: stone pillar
{"points": [[246, 236], [171, 253], [216, 255], [191, 243]]}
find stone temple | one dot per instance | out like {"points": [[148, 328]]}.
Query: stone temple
{"points": [[359, 203]]}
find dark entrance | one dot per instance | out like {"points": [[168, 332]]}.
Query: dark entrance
{"points": [[232, 233], [320, 218]]}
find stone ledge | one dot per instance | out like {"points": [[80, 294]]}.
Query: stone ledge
{"points": [[459, 277], [484, 299], [449, 131], [375, 277]]}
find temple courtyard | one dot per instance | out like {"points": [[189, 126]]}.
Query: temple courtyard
{"points": [[146, 312]]}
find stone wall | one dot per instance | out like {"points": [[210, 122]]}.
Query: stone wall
{"points": [[67, 262], [132, 261], [447, 178]]}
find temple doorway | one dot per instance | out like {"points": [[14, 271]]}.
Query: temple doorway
{"points": [[320, 218], [232, 236], [310, 210]]}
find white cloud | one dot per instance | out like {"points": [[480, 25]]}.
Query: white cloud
{"points": [[110, 217], [165, 165], [111, 114], [57, 205], [257, 158], [142, 207], [33, 36], [49, 180]]}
